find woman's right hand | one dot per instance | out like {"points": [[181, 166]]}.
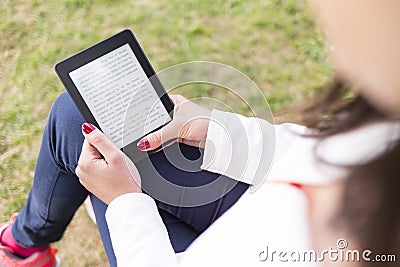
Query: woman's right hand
{"points": [[189, 126]]}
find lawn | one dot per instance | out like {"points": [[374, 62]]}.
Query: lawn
{"points": [[274, 42]]}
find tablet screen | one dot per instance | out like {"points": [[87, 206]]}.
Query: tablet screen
{"points": [[113, 83]]}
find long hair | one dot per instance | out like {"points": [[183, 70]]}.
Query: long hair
{"points": [[370, 205]]}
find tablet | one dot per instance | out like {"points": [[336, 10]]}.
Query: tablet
{"points": [[109, 83]]}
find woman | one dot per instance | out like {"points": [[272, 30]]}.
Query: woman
{"points": [[335, 181]]}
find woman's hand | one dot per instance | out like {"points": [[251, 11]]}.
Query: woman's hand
{"points": [[189, 126], [103, 169]]}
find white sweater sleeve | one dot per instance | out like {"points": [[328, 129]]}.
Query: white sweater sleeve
{"points": [[244, 149], [138, 235], [239, 147]]}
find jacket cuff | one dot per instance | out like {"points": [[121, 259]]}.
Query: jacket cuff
{"points": [[239, 147]]}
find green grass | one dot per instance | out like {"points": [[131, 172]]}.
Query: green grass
{"points": [[274, 42]]}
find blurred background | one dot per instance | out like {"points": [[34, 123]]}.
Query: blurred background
{"points": [[274, 42]]}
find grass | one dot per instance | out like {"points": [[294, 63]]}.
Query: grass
{"points": [[274, 42]]}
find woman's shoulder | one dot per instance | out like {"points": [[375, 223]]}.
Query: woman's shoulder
{"points": [[310, 160], [359, 145]]}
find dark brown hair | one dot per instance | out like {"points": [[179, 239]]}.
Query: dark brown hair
{"points": [[370, 206]]}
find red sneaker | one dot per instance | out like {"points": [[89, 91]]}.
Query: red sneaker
{"points": [[44, 258]]}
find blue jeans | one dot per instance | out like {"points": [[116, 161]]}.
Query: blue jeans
{"points": [[56, 192]]}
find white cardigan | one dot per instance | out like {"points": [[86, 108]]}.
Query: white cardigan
{"points": [[270, 216]]}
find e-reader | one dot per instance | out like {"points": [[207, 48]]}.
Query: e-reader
{"points": [[116, 89]]}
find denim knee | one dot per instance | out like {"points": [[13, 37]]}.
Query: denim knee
{"points": [[63, 132]]}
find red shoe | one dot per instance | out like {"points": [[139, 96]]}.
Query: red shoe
{"points": [[44, 258]]}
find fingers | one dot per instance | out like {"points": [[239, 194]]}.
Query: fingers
{"points": [[99, 142], [177, 99], [89, 157], [169, 132], [89, 151], [155, 139]]}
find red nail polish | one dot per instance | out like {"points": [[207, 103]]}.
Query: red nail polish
{"points": [[87, 128], [143, 144]]}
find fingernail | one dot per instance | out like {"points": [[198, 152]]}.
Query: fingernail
{"points": [[87, 128], [143, 144]]}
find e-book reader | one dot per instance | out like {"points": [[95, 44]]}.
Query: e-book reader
{"points": [[115, 88]]}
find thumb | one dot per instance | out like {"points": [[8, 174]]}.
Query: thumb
{"points": [[157, 138], [99, 141]]}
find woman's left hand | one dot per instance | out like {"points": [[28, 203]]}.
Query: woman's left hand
{"points": [[103, 169]]}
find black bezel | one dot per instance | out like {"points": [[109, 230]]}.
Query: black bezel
{"points": [[72, 63]]}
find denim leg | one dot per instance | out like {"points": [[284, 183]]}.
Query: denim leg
{"points": [[100, 208], [56, 192]]}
